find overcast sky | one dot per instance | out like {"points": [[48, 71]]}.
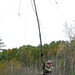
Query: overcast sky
{"points": [[17, 30]]}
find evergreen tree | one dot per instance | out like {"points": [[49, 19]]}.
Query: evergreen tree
{"points": [[1, 44]]}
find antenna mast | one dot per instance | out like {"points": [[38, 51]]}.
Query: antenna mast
{"points": [[38, 29]]}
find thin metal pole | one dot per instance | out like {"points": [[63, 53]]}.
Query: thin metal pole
{"points": [[38, 28], [42, 61]]}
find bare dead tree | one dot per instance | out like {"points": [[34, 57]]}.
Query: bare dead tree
{"points": [[69, 30]]}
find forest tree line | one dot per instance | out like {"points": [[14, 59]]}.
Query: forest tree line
{"points": [[26, 59]]}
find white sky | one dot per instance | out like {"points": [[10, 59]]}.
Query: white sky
{"points": [[21, 30]]}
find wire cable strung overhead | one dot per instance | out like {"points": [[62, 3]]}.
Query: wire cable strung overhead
{"points": [[56, 2], [59, 11], [19, 8], [7, 11], [32, 5], [25, 30]]}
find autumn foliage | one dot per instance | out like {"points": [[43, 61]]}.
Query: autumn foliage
{"points": [[26, 59]]}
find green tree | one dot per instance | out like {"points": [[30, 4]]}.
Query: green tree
{"points": [[1, 44]]}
